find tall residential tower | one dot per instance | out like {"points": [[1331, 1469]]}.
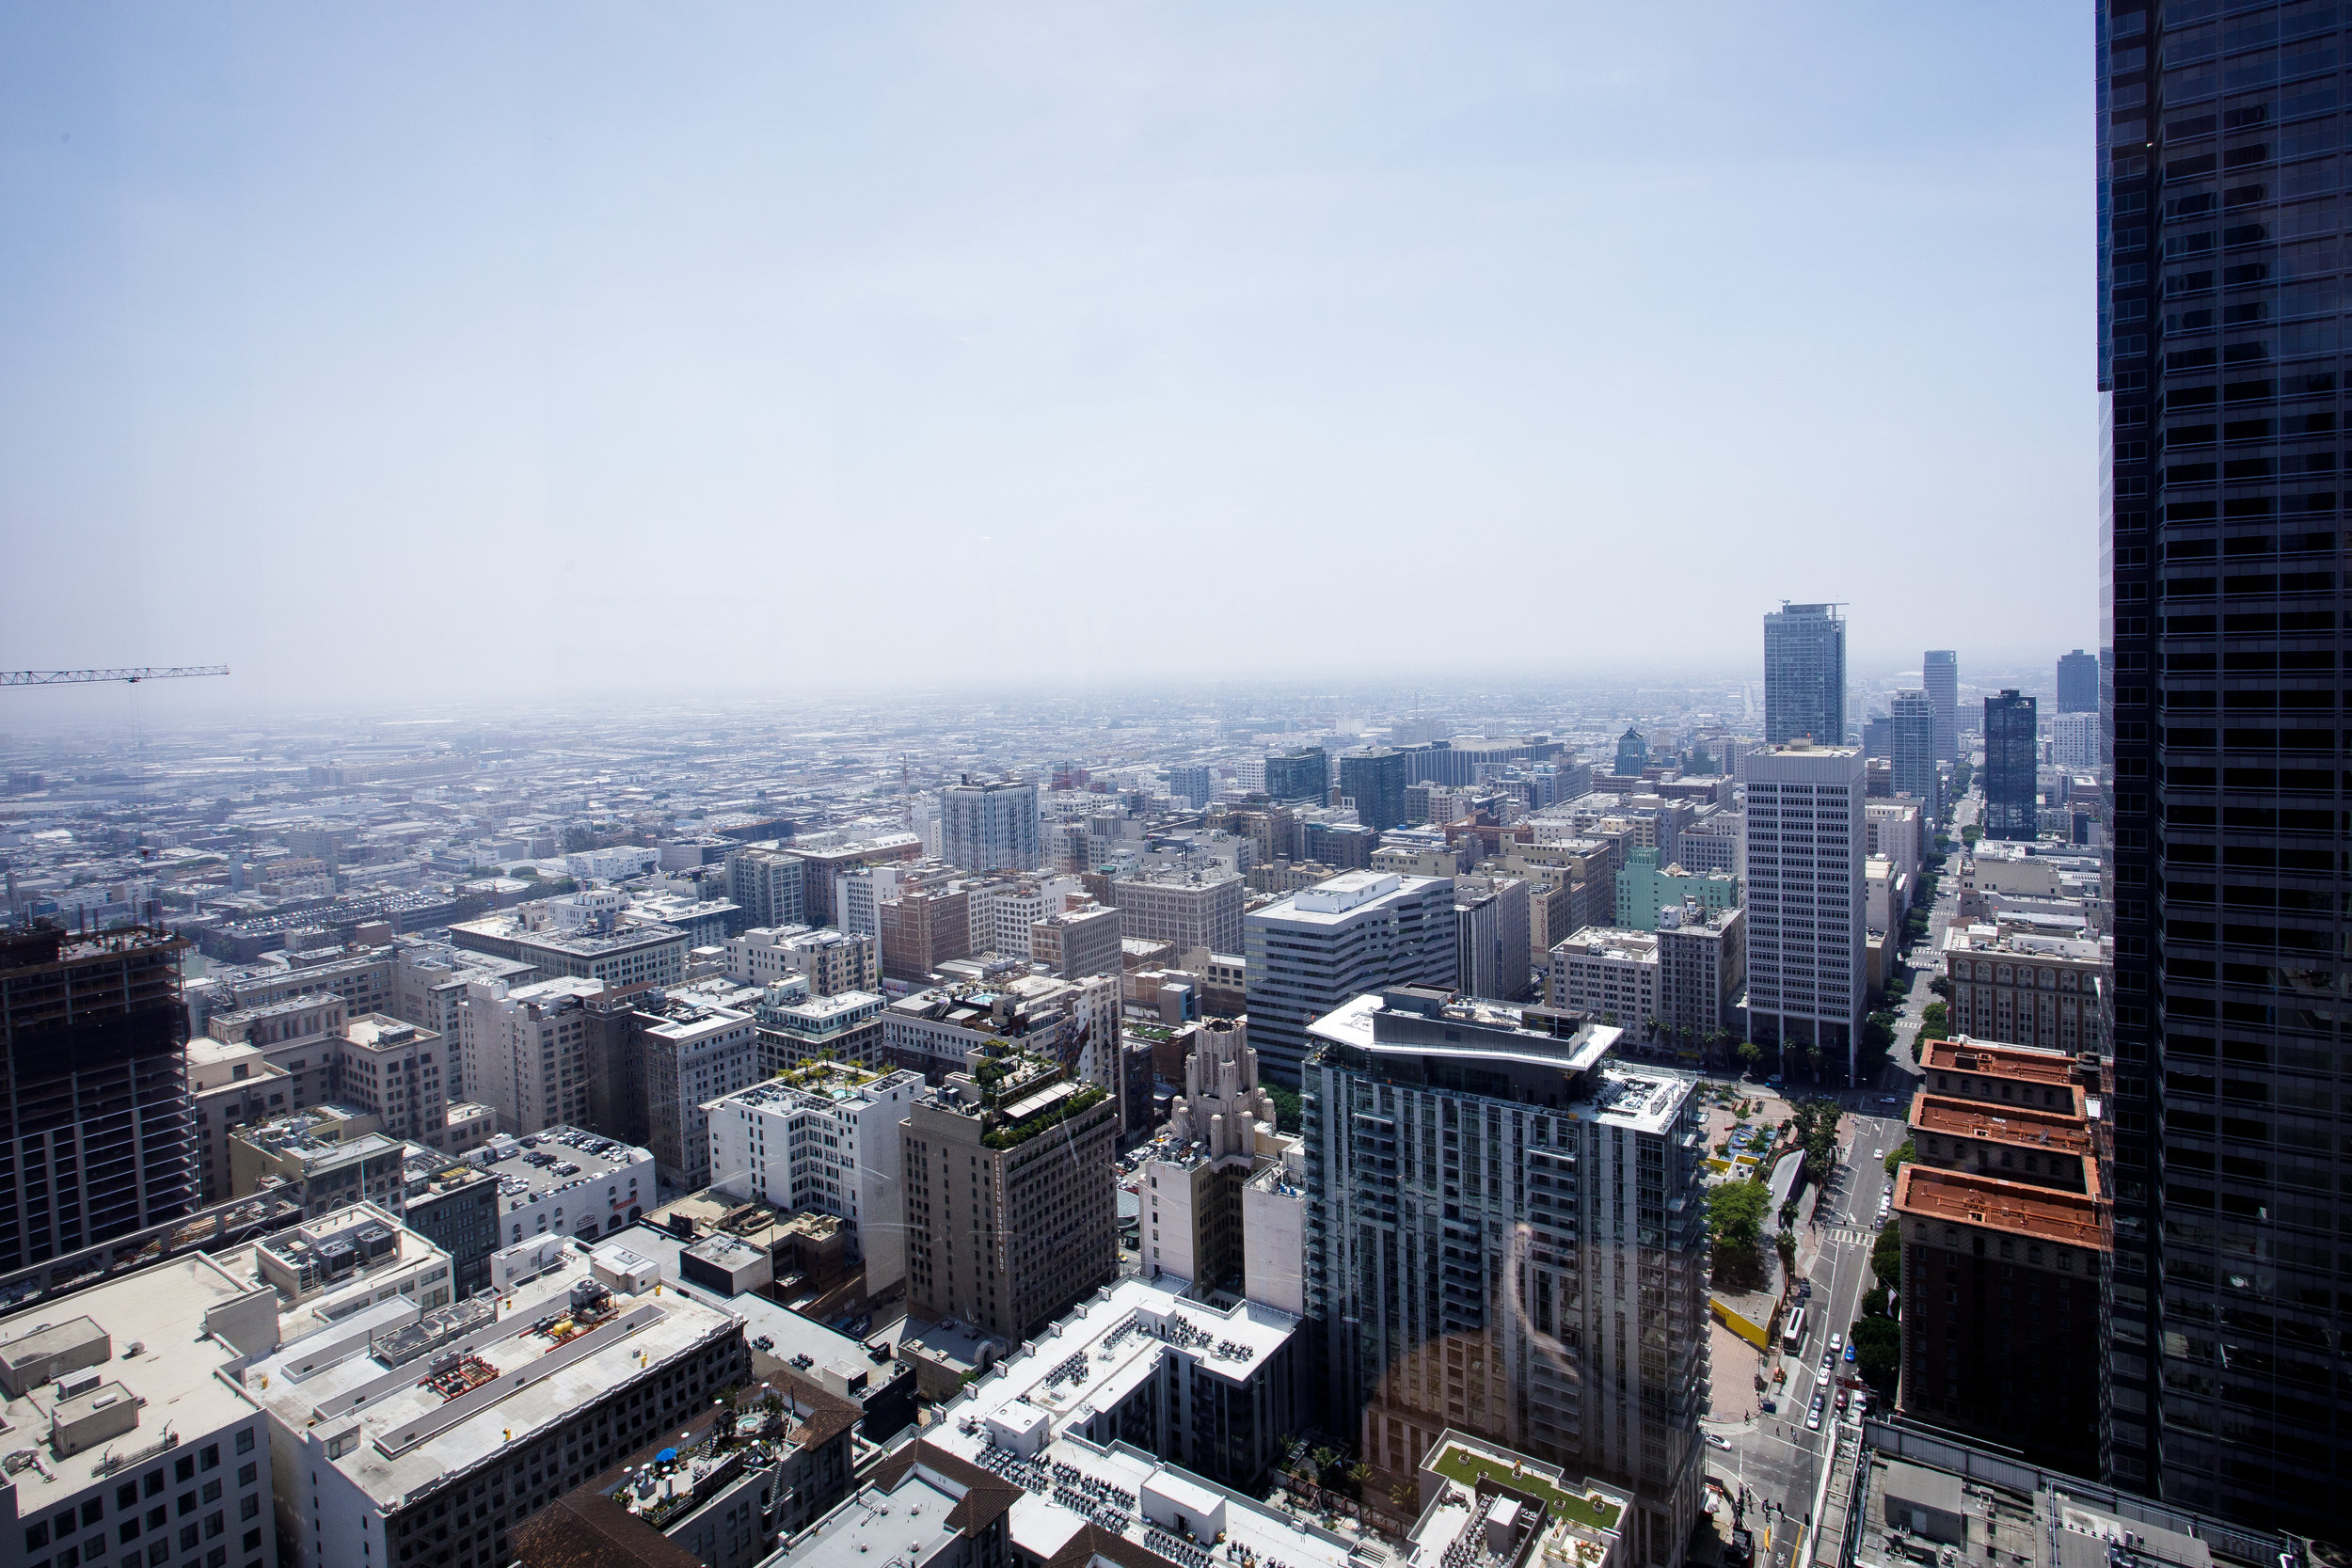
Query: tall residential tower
{"points": [[1939, 675]]}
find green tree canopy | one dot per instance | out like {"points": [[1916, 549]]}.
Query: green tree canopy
{"points": [[1735, 1213]]}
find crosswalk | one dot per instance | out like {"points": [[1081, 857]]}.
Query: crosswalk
{"points": [[1851, 1234]]}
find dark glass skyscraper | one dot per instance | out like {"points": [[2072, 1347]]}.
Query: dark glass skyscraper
{"points": [[1301, 775], [1374, 780], [2079, 682], [2012, 800], [1805, 674], [2220, 336]]}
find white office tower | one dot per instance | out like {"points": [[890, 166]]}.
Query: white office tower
{"points": [[1359, 931], [1222, 1203], [1806, 903], [824, 1136], [1509, 1237], [990, 826]]}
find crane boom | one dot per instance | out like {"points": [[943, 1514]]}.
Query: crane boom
{"points": [[75, 677]]}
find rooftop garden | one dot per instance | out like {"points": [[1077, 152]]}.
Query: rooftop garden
{"points": [[1458, 1464], [1061, 1110]]}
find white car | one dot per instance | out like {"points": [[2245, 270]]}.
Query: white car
{"points": [[1813, 1419], [1717, 1439], [1837, 1343]]}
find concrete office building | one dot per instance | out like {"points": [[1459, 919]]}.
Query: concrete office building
{"points": [[1078, 943], [693, 1053], [1311, 951], [2006, 1246], [1913, 748], [1805, 674], [1895, 829], [1609, 974], [922, 929], [1806, 903], [1192, 783], [143, 1367], [1492, 921], [1008, 1186], [1140, 1372], [455, 1207], [825, 1138], [527, 1049], [615, 951], [1702, 973], [1940, 676], [2012, 754], [1189, 908], [97, 1122], [794, 1027], [826, 865], [1206, 1219], [326, 1158], [1374, 780], [470, 1418], [1505, 1207], [2079, 682], [990, 826], [392, 1070], [770, 886], [828, 959], [2025, 988]]}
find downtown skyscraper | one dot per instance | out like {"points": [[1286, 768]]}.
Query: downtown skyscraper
{"points": [[2219, 336], [1805, 674], [1939, 675], [1914, 726]]}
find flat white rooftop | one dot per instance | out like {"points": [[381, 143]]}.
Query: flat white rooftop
{"points": [[1109, 1345], [520, 1368], [157, 1350]]}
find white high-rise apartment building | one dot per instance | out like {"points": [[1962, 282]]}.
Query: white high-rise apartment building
{"points": [[990, 826], [2074, 740], [1806, 900], [1002, 909], [824, 1137]]}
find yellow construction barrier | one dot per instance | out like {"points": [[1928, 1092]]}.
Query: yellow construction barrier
{"points": [[1760, 1337]]}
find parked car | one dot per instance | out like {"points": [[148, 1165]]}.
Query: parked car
{"points": [[1835, 1342], [1850, 1352], [1841, 1399], [1813, 1419]]}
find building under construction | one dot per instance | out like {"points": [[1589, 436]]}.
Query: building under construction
{"points": [[97, 1128]]}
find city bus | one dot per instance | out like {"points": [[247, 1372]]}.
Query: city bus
{"points": [[1792, 1334]]}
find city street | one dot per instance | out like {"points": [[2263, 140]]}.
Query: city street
{"points": [[1773, 1458]]}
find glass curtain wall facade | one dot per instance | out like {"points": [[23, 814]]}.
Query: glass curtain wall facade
{"points": [[2221, 234], [1914, 727], [1939, 675], [2079, 682], [1805, 674], [2013, 800]]}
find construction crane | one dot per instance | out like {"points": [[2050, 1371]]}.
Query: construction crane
{"points": [[77, 677]]}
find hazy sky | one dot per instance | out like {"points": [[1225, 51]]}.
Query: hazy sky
{"points": [[426, 352]]}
